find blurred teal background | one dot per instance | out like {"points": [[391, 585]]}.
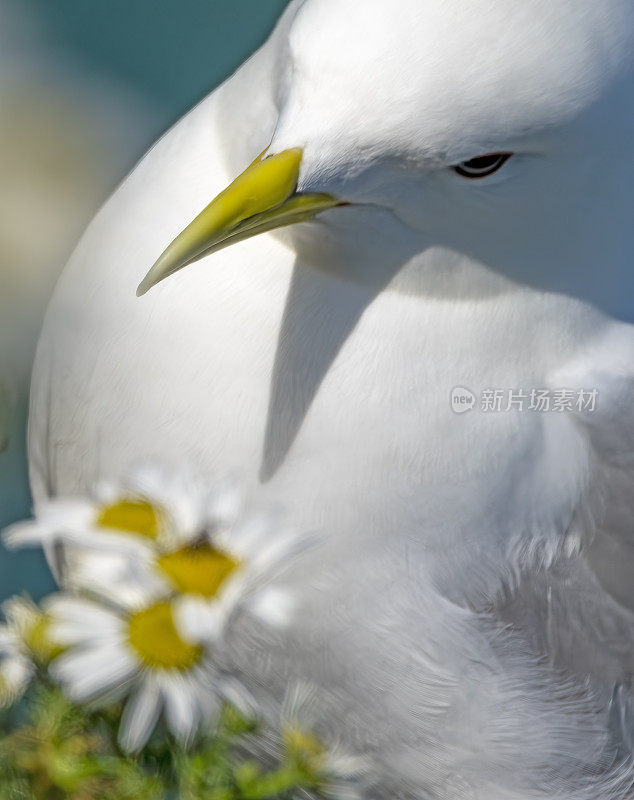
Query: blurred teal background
{"points": [[88, 85], [171, 51]]}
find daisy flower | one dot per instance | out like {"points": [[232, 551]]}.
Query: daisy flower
{"points": [[147, 506], [24, 642], [325, 769], [107, 532], [231, 570], [135, 653]]}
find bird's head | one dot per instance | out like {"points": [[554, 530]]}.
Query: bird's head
{"points": [[502, 132]]}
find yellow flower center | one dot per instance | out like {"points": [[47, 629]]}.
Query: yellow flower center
{"points": [[38, 641], [304, 747], [153, 635], [131, 516], [197, 570]]}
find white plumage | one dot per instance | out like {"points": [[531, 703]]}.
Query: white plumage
{"points": [[470, 610]]}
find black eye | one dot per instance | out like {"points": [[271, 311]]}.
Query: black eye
{"points": [[481, 166]]}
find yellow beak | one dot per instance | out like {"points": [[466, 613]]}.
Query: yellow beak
{"points": [[263, 198]]}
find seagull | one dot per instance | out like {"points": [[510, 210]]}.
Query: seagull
{"points": [[362, 263]]}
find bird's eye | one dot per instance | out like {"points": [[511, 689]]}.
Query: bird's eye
{"points": [[481, 166]]}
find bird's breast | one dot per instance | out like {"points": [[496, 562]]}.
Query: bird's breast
{"points": [[328, 396]]}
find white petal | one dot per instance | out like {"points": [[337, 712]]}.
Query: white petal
{"points": [[8, 640], [197, 620], [232, 593], [51, 525], [300, 704], [140, 715], [127, 581], [21, 614], [182, 706], [272, 605], [111, 541], [243, 540], [15, 674], [95, 673], [235, 693], [344, 765], [77, 621], [68, 634], [279, 550], [222, 507], [26, 534]]}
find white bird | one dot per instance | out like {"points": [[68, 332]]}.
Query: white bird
{"points": [[463, 174]]}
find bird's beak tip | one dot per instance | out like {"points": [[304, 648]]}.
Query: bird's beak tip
{"points": [[146, 284], [263, 198]]}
